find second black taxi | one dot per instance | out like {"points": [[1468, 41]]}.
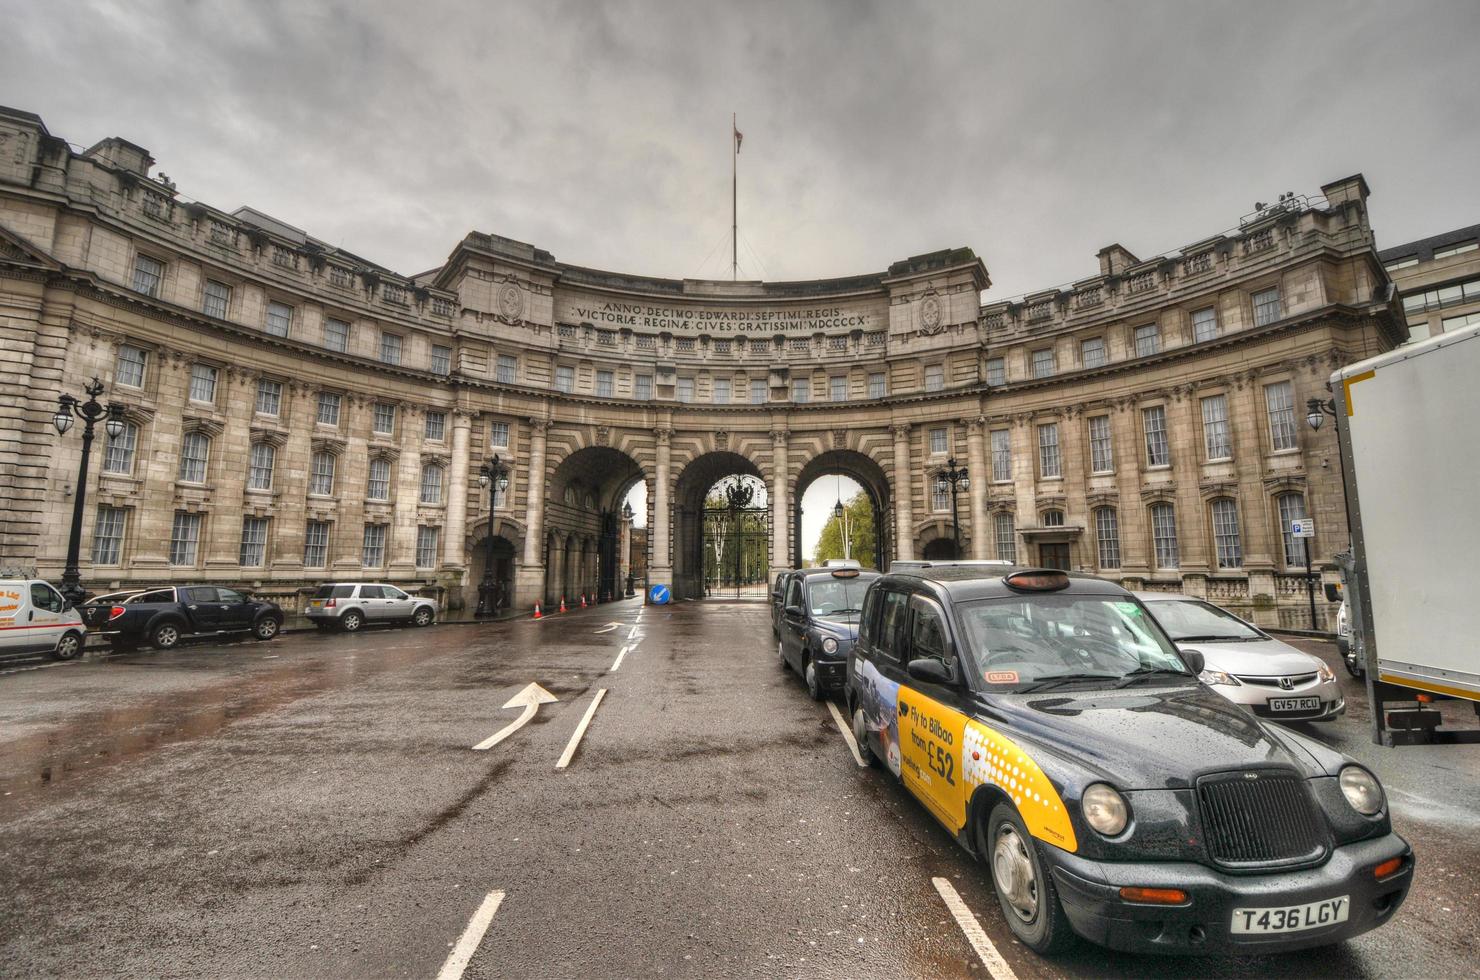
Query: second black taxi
{"points": [[1051, 725], [815, 613]]}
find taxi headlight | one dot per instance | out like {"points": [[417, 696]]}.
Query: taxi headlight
{"points": [[1361, 790], [1210, 676], [1104, 809], [829, 645], [1324, 673]]}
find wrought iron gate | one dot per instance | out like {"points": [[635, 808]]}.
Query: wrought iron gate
{"points": [[736, 541]]}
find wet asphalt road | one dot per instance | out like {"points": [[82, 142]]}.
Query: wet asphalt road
{"points": [[312, 807]]}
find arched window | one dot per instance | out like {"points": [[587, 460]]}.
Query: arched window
{"points": [[431, 484], [1006, 534], [195, 451], [378, 487], [1053, 518], [570, 495], [1229, 548], [259, 467], [1292, 508], [119, 455], [1107, 537], [1164, 535], [321, 480]]}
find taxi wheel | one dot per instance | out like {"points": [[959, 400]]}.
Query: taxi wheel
{"points": [[860, 735], [1025, 890], [814, 683]]}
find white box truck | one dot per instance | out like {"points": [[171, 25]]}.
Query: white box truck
{"points": [[1408, 423]]}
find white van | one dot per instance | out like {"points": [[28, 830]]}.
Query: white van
{"points": [[34, 618]]}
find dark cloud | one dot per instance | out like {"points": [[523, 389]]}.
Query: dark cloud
{"points": [[1035, 133]]}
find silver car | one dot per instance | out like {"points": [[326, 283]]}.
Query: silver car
{"points": [[1245, 664], [351, 605]]}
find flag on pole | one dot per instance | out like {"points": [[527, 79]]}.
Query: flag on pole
{"points": [[738, 137]]}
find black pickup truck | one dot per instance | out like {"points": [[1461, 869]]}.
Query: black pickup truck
{"points": [[163, 617]]}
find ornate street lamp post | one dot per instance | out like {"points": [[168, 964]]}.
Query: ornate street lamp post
{"points": [[627, 558], [954, 478], [90, 412], [494, 475], [841, 513]]}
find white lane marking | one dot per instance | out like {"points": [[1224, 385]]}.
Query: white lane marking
{"points": [[607, 628], [632, 632], [975, 935], [529, 698], [17, 670], [625, 650], [457, 960], [570, 748], [847, 734]]}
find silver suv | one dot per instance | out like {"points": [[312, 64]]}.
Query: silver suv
{"points": [[351, 605]]}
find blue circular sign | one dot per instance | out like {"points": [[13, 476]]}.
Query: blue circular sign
{"points": [[658, 594]]}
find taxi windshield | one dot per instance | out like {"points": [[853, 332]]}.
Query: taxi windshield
{"points": [[837, 598], [1038, 641]]}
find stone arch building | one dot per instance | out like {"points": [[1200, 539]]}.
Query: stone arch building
{"points": [[299, 413]]}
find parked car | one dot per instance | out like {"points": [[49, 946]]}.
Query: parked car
{"points": [[819, 622], [351, 605], [34, 618], [1245, 664], [163, 617], [1051, 725]]}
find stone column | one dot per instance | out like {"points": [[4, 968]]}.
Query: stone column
{"points": [[904, 492], [236, 398], [1074, 463], [401, 548], [1257, 516], [529, 578], [976, 464], [1129, 448], [660, 564], [453, 556], [780, 504], [1185, 437]]}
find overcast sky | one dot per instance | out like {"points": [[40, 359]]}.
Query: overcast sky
{"points": [[1035, 133]]}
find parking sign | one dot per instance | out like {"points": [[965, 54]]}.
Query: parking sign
{"points": [[1305, 527]]}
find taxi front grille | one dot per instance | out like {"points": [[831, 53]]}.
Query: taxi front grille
{"points": [[1260, 818]]}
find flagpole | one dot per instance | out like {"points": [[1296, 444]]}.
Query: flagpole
{"points": [[734, 199]]}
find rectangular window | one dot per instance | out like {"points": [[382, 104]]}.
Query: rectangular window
{"points": [[685, 391], [642, 387], [1164, 535], [184, 538], [426, 547], [118, 456], [1292, 508], [260, 462], [722, 391], [108, 536], [254, 542], [499, 435], [269, 397], [1101, 451], [148, 273], [606, 384], [378, 483], [1204, 325], [1266, 306], [1154, 423], [195, 452], [316, 544], [837, 389], [758, 391], [1001, 455], [1444, 253], [128, 367], [431, 485], [565, 379], [1216, 438], [1107, 537], [801, 389], [435, 429], [939, 441], [1148, 340], [217, 299], [328, 413], [940, 500], [202, 383], [390, 347], [1092, 352], [877, 386], [508, 369], [1279, 400], [441, 359], [996, 371], [373, 553], [1048, 451], [321, 478], [1006, 535], [336, 335], [279, 319], [1225, 534], [1043, 363], [935, 377], [385, 419]]}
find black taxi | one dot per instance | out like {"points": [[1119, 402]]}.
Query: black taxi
{"points": [[1048, 722], [817, 622]]}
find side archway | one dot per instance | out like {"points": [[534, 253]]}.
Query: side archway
{"points": [[869, 475], [583, 507]]}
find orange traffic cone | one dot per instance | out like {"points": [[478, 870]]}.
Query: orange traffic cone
{"points": [[537, 611], [562, 603], [583, 600]]}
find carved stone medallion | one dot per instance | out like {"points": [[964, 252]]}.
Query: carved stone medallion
{"points": [[930, 314], [511, 301]]}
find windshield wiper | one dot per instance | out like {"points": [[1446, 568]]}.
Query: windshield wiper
{"points": [[1141, 673], [1058, 680], [1209, 638]]}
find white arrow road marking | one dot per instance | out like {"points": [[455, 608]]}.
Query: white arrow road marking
{"points": [[625, 650], [975, 935], [530, 700], [457, 960], [847, 734], [607, 628], [570, 748]]}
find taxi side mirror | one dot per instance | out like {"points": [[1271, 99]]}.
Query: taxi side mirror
{"points": [[1195, 660], [931, 671], [796, 611]]}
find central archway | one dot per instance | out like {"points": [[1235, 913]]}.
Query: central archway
{"points": [[717, 545]]}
